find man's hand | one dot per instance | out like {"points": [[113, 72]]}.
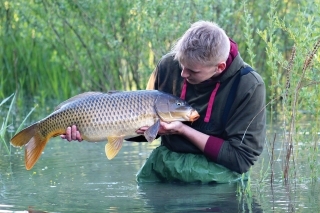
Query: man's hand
{"points": [[72, 134], [174, 127]]}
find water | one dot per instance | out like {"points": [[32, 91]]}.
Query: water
{"points": [[77, 177]]}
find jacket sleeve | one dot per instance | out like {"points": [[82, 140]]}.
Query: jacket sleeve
{"points": [[244, 133]]}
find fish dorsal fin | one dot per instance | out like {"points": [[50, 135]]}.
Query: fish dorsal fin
{"points": [[113, 146], [113, 92], [151, 133], [82, 95]]}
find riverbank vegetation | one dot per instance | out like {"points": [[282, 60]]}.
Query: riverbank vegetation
{"points": [[57, 49]]}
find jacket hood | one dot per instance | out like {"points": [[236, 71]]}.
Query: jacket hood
{"points": [[233, 68]]}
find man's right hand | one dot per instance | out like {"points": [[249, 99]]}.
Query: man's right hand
{"points": [[72, 134]]}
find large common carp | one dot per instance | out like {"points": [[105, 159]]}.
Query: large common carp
{"points": [[112, 116]]}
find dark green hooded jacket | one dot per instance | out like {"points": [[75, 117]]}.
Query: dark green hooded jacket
{"points": [[236, 141]]}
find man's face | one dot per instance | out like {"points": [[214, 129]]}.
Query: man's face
{"points": [[196, 73]]}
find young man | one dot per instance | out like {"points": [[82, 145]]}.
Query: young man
{"points": [[205, 69]]}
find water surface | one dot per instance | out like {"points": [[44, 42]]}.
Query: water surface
{"points": [[77, 177]]}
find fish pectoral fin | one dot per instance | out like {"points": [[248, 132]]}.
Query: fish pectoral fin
{"points": [[151, 133], [113, 146]]}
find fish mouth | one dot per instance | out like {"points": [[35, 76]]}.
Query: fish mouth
{"points": [[194, 115]]}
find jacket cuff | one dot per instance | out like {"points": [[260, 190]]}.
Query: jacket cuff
{"points": [[212, 147]]}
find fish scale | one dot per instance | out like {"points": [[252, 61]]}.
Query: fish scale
{"points": [[110, 117]]}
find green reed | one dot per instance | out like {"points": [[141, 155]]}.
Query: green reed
{"points": [[6, 113], [54, 50], [4, 125], [295, 86]]}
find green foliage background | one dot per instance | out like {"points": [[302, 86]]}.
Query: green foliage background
{"points": [[56, 49]]}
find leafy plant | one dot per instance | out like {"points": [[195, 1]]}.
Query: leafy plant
{"points": [[60, 48], [294, 79]]}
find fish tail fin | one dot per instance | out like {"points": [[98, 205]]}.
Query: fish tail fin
{"points": [[34, 144], [23, 137], [33, 149]]}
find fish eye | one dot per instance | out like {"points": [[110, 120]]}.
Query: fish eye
{"points": [[179, 104]]}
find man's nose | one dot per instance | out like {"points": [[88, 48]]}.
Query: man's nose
{"points": [[184, 73]]}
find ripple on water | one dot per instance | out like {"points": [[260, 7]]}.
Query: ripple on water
{"points": [[77, 177]]}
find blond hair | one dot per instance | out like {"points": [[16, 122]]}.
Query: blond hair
{"points": [[204, 42]]}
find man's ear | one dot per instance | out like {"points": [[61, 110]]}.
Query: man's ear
{"points": [[221, 67]]}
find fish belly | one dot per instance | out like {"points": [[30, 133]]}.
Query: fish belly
{"points": [[124, 128]]}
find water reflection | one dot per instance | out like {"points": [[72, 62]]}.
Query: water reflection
{"points": [[73, 177], [195, 198], [77, 177]]}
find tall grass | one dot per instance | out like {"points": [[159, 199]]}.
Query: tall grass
{"points": [[295, 84], [6, 127], [56, 49]]}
